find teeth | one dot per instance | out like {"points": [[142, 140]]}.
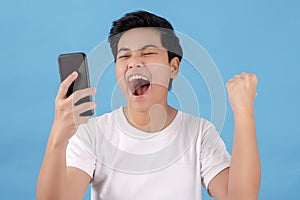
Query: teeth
{"points": [[134, 77]]}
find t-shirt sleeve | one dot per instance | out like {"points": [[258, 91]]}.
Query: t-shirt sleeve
{"points": [[79, 155], [214, 156]]}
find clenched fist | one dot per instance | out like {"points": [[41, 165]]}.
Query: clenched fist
{"points": [[242, 91]]}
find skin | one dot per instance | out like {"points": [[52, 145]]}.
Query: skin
{"points": [[240, 181], [56, 180]]}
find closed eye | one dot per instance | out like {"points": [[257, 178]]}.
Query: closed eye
{"points": [[123, 56], [149, 53]]}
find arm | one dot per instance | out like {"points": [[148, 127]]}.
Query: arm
{"points": [[244, 174], [55, 180], [242, 180]]}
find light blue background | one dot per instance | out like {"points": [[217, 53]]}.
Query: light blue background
{"points": [[261, 37]]}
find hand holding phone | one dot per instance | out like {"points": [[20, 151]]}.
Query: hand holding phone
{"points": [[67, 115]]}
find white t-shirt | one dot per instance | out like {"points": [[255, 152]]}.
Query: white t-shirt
{"points": [[126, 163]]}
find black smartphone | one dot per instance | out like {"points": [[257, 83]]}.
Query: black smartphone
{"points": [[69, 63]]}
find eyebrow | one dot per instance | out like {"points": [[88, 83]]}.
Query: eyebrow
{"points": [[144, 47]]}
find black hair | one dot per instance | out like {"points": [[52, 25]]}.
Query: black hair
{"points": [[140, 19]]}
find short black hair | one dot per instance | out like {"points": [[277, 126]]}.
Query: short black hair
{"points": [[142, 19]]}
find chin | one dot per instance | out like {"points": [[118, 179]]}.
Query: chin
{"points": [[139, 106]]}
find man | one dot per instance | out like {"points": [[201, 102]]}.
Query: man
{"points": [[147, 55]]}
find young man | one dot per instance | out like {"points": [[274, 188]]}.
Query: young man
{"points": [[130, 152]]}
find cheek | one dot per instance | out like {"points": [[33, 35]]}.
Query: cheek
{"points": [[160, 75], [161, 58], [120, 76], [120, 71]]}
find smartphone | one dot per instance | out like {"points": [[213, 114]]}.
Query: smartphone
{"points": [[69, 63]]}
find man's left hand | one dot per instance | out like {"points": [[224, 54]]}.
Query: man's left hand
{"points": [[242, 91]]}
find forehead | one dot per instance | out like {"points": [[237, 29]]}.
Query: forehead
{"points": [[137, 38]]}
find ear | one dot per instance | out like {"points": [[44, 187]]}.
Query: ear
{"points": [[174, 63]]}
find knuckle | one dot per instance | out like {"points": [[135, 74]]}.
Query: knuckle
{"points": [[73, 110], [59, 105], [76, 122], [76, 95], [85, 120], [63, 86], [72, 99], [254, 77]]}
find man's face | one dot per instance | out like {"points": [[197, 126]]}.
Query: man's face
{"points": [[142, 68]]}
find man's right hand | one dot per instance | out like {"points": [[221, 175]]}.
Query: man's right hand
{"points": [[67, 115]]}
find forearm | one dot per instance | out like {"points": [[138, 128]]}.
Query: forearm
{"points": [[52, 180], [244, 174]]}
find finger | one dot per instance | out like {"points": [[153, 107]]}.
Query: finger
{"points": [[229, 82], [64, 86], [254, 77], [81, 120], [79, 94], [238, 75], [81, 108], [245, 73]]}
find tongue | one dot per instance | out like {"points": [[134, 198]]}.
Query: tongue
{"points": [[141, 90]]}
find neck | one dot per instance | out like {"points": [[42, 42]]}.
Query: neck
{"points": [[152, 120]]}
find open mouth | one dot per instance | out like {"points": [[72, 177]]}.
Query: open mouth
{"points": [[138, 84]]}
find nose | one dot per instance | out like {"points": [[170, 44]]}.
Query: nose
{"points": [[135, 61]]}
